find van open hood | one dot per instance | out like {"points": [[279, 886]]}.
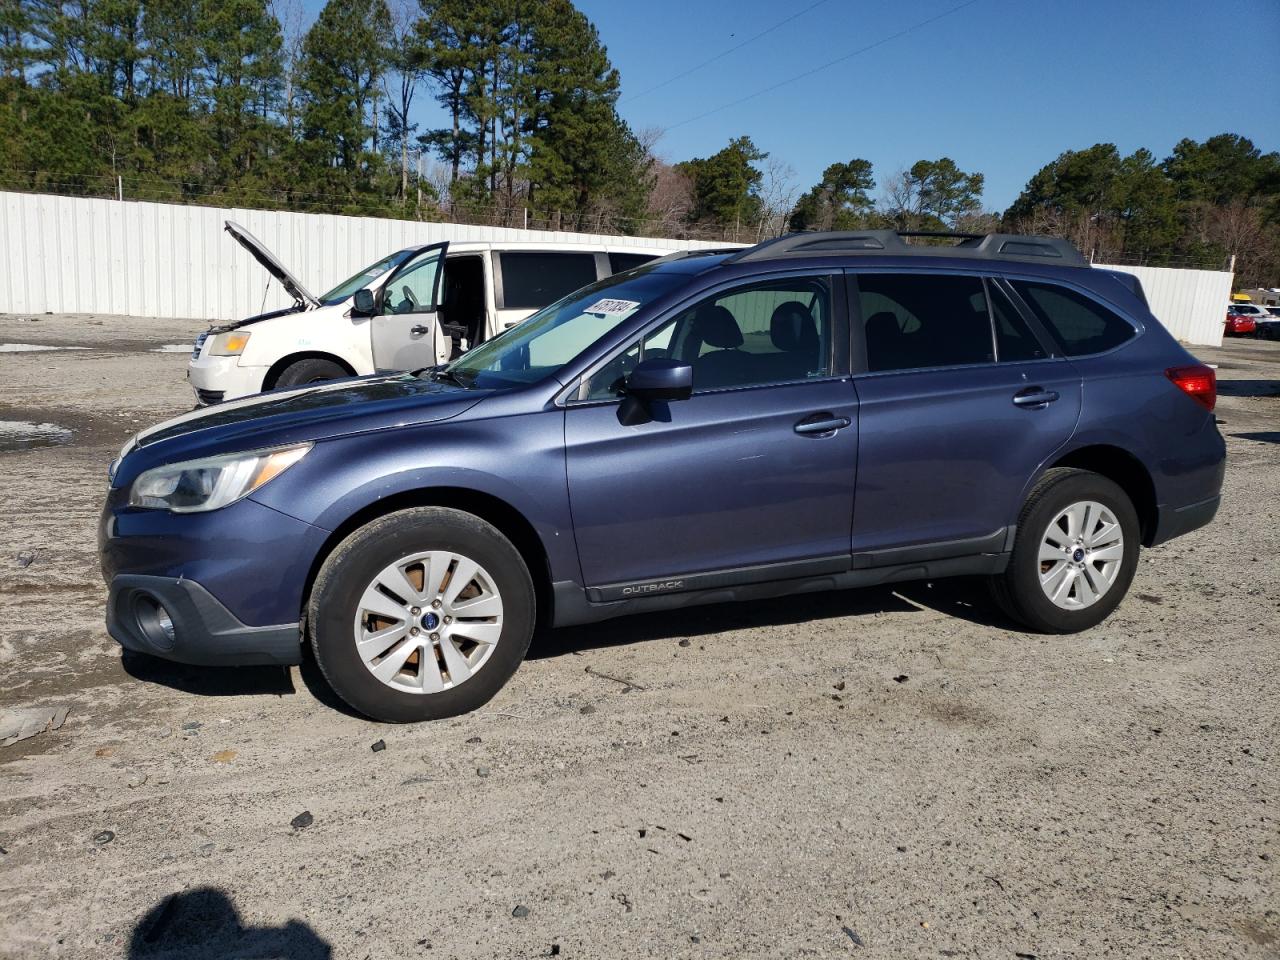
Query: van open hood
{"points": [[301, 295]]}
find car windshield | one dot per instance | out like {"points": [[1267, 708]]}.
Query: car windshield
{"points": [[542, 344], [365, 277]]}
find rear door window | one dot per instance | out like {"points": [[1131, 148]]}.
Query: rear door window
{"points": [[1080, 324], [532, 280], [1014, 340], [914, 321]]}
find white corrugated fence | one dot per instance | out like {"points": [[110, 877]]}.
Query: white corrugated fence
{"points": [[82, 255], [1192, 304]]}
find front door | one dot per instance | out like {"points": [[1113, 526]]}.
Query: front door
{"points": [[961, 403], [404, 335], [756, 468]]}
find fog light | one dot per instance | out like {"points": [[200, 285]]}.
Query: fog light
{"points": [[154, 622]]}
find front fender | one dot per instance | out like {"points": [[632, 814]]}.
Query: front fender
{"points": [[324, 330], [516, 459]]}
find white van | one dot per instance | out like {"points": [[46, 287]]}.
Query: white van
{"points": [[401, 313]]}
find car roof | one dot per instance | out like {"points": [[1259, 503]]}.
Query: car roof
{"points": [[545, 246]]}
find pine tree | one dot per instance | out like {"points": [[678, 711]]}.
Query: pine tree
{"points": [[343, 58]]}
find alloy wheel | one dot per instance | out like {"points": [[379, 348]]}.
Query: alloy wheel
{"points": [[1081, 554], [428, 622]]}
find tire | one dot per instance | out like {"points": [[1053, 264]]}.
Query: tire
{"points": [[312, 370], [1019, 590], [352, 584]]}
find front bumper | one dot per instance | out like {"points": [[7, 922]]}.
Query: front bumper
{"points": [[204, 632], [222, 378]]}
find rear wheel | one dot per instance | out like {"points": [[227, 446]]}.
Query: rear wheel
{"points": [[421, 614], [311, 370], [1074, 556]]}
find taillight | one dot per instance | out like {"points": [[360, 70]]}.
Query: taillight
{"points": [[1200, 383]]}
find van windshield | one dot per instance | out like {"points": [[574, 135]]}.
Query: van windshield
{"points": [[365, 277], [541, 345]]}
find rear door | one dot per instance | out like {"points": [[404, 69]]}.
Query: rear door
{"points": [[525, 281], [403, 331], [961, 399]]}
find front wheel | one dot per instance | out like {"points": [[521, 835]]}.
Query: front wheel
{"points": [[1074, 555], [421, 614], [311, 370]]}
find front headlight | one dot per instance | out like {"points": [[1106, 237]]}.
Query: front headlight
{"points": [[229, 344], [199, 485]]}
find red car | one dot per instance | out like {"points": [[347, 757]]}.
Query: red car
{"points": [[1239, 325]]}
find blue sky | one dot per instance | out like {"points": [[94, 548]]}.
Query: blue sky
{"points": [[1000, 86]]}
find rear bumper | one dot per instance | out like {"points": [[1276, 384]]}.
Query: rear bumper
{"points": [[204, 631], [1175, 521]]}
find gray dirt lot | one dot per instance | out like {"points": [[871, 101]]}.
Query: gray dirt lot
{"points": [[746, 781]]}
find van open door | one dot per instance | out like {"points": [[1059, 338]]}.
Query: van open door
{"points": [[404, 329]]}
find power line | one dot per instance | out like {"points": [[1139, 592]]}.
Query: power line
{"points": [[722, 54], [830, 63]]}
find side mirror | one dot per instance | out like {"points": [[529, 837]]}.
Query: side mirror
{"points": [[363, 303], [661, 378]]}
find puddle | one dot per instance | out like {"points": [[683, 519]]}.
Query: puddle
{"points": [[172, 348], [23, 435], [32, 348]]}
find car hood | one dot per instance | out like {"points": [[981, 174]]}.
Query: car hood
{"points": [[301, 295], [335, 408]]}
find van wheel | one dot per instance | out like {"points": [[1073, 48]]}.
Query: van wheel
{"points": [[421, 614], [1074, 555], [311, 370]]}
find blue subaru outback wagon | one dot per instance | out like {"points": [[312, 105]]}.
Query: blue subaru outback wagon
{"points": [[821, 411]]}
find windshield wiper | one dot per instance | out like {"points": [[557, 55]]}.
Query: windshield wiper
{"points": [[445, 375]]}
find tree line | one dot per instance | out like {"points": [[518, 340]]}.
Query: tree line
{"points": [[228, 102]]}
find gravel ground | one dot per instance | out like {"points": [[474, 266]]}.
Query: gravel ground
{"points": [[880, 773]]}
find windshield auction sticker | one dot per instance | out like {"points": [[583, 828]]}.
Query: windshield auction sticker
{"points": [[612, 307]]}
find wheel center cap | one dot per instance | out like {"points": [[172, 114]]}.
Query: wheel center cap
{"points": [[1077, 557], [430, 620]]}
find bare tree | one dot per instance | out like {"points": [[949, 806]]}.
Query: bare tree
{"points": [[293, 18], [900, 201], [671, 198], [777, 194], [408, 63]]}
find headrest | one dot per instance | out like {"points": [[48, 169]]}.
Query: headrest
{"points": [[791, 328], [883, 323], [716, 327]]}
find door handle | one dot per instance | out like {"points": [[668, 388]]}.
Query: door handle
{"points": [[418, 330], [1034, 398], [821, 424]]}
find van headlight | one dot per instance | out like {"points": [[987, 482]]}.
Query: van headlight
{"points": [[229, 344], [199, 485]]}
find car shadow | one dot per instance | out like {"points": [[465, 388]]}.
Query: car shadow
{"points": [[204, 923], [1249, 388], [209, 681], [1265, 436], [963, 598]]}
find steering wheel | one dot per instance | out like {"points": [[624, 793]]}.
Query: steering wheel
{"points": [[414, 305]]}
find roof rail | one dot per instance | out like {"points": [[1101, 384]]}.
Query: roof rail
{"points": [[695, 252], [976, 246]]}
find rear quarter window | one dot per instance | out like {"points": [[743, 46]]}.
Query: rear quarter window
{"points": [[1080, 325], [533, 280]]}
